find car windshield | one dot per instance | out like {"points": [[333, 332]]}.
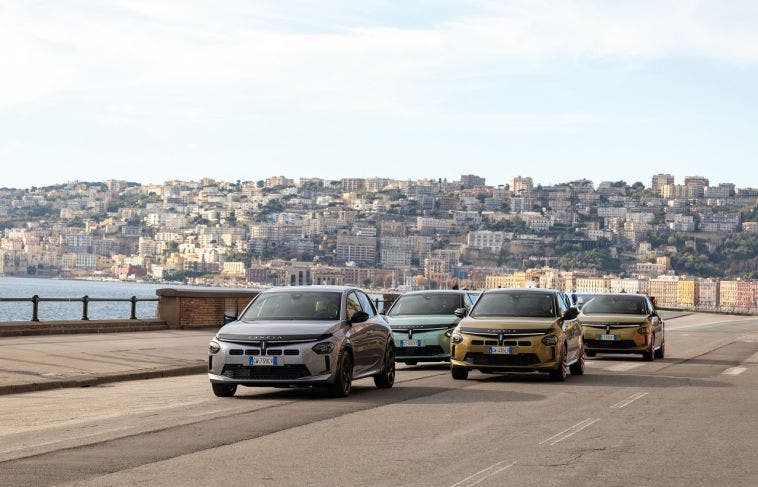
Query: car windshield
{"points": [[527, 304], [426, 304], [295, 306], [625, 305]]}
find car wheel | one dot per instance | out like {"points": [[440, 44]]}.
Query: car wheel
{"points": [[387, 377], [459, 373], [577, 368], [411, 362], [661, 352], [224, 390], [590, 353], [343, 381], [650, 354], [560, 373]]}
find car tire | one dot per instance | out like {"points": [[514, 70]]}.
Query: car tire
{"points": [[386, 378], [411, 362], [459, 373], [224, 390], [343, 381], [661, 352], [577, 368], [649, 356], [560, 373]]}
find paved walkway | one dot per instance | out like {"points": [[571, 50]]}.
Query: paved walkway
{"points": [[47, 362]]}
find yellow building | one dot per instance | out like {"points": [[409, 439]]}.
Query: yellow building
{"points": [[736, 294], [593, 285], [515, 280], [664, 289], [687, 293]]}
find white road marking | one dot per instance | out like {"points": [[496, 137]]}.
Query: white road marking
{"points": [[629, 400], [484, 474], [697, 325], [71, 438], [624, 367], [734, 371], [558, 437]]}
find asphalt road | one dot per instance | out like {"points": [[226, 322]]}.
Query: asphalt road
{"points": [[689, 419]]}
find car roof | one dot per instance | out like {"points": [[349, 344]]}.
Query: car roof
{"points": [[314, 288], [637, 295], [535, 290], [438, 291]]}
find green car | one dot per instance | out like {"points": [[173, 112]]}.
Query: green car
{"points": [[422, 322]]}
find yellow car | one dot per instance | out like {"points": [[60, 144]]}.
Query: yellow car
{"points": [[623, 323], [519, 330]]}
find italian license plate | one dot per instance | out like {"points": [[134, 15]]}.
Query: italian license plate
{"points": [[501, 350], [410, 343], [266, 361], [608, 338]]}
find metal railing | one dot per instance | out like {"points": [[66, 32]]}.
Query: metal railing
{"points": [[85, 300]]}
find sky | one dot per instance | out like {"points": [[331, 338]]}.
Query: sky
{"points": [[152, 90]]}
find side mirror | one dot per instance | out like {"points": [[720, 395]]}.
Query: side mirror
{"points": [[359, 317], [460, 312], [571, 314]]}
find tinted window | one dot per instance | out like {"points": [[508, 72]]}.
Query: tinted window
{"points": [[353, 305], [426, 304], [472, 297], [527, 304], [295, 306], [616, 304], [368, 306]]}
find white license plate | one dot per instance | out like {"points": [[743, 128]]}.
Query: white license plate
{"points": [[410, 343], [608, 338], [265, 360], [501, 350]]}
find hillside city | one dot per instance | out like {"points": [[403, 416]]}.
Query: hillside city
{"points": [[690, 245]]}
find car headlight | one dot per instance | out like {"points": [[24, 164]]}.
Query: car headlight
{"points": [[449, 332], [213, 347], [643, 330], [550, 340], [323, 348], [456, 337]]}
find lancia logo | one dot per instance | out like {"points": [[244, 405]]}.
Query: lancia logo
{"points": [[500, 339], [410, 333], [608, 329], [263, 345]]}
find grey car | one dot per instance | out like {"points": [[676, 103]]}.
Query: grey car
{"points": [[303, 336]]}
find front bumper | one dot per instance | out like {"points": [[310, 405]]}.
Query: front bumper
{"points": [[297, 364], [627, 340], [431, 346], [529, 354]]}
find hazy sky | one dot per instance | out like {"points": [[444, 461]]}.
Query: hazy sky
{"points": [[149, 90]]}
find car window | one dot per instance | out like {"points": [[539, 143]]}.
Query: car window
{"points": [[353, 305], [286, 305], [471, 298], [368, 306], [426, 304], [616, 304], [563, 303], [515, 303]]}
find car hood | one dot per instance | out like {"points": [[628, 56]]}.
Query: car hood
{"points": [[511, 324], [277, 330], [611, 318], [421, 321]]}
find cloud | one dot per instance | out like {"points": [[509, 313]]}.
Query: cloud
{"points": [[339, 55]]}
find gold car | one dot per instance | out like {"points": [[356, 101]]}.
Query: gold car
{"points": [[623, 323], [519, 330]]}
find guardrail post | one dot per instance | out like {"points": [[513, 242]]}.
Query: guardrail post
{"points": [[134, 308], [35, 307], [85, 305]]}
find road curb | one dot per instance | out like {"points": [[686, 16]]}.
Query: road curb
{"points": [[87, 381]]}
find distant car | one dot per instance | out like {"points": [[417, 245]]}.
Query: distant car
{"points": [[423, 321], [303, 336], [514, 330], [623, 323]]}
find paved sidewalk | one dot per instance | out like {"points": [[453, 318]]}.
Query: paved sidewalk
{"points": [[46, 362]]}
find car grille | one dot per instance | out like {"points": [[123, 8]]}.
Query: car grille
{"points": [[476, 358], [419, 351], [610, 344], [507, 343], [262, 372]]}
